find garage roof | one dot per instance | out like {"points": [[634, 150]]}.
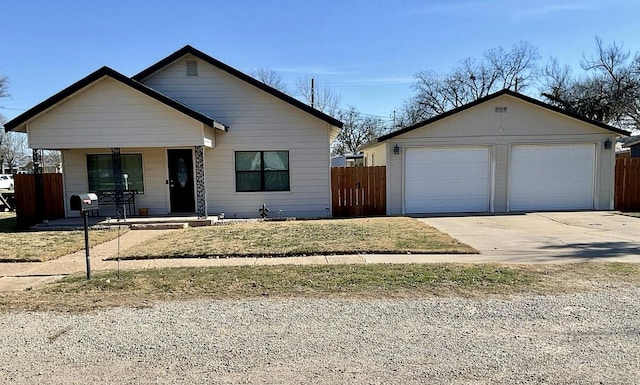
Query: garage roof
{"points": [[490, 97]]}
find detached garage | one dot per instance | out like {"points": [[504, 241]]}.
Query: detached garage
{"points": [[503, 153]]}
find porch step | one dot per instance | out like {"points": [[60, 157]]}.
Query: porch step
{"points": [[159, 226], [134, 223]]}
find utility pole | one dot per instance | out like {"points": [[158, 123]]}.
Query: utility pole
{"points": [[313, 91]]}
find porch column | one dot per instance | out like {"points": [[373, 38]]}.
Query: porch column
{"points": [[118, 180], [39, 184], [201, 186]]}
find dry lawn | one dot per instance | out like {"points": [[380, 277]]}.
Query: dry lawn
{"points": [[38, 246], [295, 238], [144, 287]]}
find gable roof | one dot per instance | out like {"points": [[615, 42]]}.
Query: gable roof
{"points": [[94, 77], [187, 49], [493, 96]]}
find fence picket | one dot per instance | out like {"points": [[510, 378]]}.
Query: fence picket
{"points": [[627, 184], [358, 191]]}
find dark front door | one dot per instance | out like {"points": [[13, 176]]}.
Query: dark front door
{"points": [[181, 181]]}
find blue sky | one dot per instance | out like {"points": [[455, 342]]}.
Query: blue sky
{"points": [[367, 51]]}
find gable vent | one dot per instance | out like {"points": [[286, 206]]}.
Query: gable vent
{"points": [[192, 68], [501, 110]]}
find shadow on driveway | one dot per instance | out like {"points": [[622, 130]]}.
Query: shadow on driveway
{"points": [[595, 250]]}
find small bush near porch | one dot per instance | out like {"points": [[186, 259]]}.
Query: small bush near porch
{"points": [[39, 246], [296, 238]]}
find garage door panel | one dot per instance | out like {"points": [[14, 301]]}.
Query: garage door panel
{"points": [[556, 177], [447, 180]]}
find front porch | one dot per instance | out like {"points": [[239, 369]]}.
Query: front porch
{"points": [[155, 181]]}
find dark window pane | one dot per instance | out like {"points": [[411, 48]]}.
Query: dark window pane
{"points": [[276, 160], [248, 181], [276, 180], [100, 172], [248, 161]]}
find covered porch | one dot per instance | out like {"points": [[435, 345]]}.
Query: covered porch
{"points": [[139, 181]]}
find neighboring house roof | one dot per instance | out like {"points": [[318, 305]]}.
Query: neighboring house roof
{"points": [[634, 141], [240, 75], [490, 97], [94, 77]]}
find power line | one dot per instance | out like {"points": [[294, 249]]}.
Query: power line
{"points": [[363, 113]]}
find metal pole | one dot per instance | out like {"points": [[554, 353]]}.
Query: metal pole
{"points": [[86, 243]]}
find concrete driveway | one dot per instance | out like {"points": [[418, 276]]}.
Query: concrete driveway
{"points": [[546, 237]]}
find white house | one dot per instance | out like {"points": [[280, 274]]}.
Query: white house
{"points": [[503, 153], [191, 135]]}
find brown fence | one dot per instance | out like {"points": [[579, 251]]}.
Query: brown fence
{"points": [[358, 191], [627, 189], [29, 210]]}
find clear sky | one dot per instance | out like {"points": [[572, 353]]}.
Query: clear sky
{"points": [[367, 51]]}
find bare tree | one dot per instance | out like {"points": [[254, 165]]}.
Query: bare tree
{"points": [[358, 129], [471, 80], [13, 149], [270, 78], [608, 90], [4, 86], [4, 92], [324, 99], [53, 158]]}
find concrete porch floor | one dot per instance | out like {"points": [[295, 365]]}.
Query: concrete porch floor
{"points": [[135, 223]]}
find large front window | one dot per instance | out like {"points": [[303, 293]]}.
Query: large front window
{"points": [[262, 171], [100, 171]]}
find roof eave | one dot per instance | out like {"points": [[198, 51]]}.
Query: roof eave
{"points": [[493, 96], [24, 118], [220, 126]]}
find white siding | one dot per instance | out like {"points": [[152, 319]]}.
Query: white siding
{"points": [[523, 123], [256, 121], [376, 155], [111, 114]]}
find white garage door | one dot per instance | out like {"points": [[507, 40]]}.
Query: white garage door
{"points": [[552, 177], [447, 180]]}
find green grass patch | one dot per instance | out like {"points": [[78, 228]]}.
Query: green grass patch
{"points": [[137, 288], [292, 238], [286, 280], [144, 287]]}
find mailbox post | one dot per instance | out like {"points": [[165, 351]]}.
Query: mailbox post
{"points": [[84, 203]]}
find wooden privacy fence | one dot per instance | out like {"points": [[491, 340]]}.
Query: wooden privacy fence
{"points": [[31, 206], [627, 188], [358, 191]]}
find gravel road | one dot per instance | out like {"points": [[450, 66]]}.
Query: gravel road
{"points": [[588, 338]]}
